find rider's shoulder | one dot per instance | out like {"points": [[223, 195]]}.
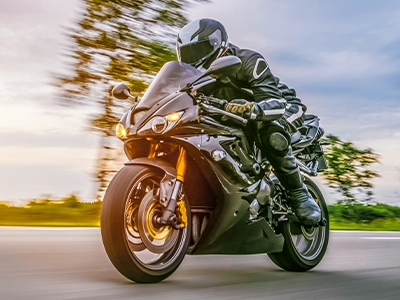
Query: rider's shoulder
{"points": [[247, 56]]}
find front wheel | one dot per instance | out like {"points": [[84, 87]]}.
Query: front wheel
{"points": [[140, 248], [304, 246]]}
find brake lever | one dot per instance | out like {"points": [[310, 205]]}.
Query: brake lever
{"points": [[249, 115], [223, 112]]}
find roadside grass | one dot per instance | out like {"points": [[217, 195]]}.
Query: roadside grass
{"points": [[67, 212], [377, 225], [70, 212], [374, 217]]}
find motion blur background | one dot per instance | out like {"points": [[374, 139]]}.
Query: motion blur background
{"points": [[341, 57]]}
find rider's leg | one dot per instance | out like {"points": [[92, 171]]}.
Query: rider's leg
{"points": [[288, 173]]}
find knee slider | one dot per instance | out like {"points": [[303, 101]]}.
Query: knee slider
{"points": [[278, 141], [274, 138]]}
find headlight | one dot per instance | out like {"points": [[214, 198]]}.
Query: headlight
{"points": [[120, 131], [160, 124]]}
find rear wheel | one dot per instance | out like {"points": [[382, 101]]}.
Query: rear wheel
{"points": [[140, 248], [304, 246]]}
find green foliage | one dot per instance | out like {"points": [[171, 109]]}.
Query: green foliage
{"points": [[71, 212], [114, 41], [45, 212], [377, 225], [119, 41], [348, 171], [122, 40], [360, 213], [364, 217]]}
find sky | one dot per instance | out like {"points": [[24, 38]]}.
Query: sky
{"points": [[342, 57]]}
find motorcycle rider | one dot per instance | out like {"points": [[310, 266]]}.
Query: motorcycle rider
{"points": [[255, 92]]}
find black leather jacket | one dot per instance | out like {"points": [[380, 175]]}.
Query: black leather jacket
{"points": [[255, 82]]}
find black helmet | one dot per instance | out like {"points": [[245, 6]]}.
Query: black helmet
{"points": [[200, 42]]}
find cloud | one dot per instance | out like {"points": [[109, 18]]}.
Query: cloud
{"points": [[31, 38], [25, 182], [354, 118], [338, 47], [341, 57], [29, 13], [340, 65], [77, 159], [52, 139]]}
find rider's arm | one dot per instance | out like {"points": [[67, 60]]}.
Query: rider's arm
{"points": [[269, 104], [289, 94]]}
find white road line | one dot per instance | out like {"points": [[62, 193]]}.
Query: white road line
{"points": [[381, 238], [364, 231], [47, 228]]}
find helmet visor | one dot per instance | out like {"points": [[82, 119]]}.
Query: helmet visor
{"points": [[200, 50]]}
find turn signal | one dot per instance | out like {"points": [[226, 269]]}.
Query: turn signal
{"points": [[120, 131], [174, 117]]}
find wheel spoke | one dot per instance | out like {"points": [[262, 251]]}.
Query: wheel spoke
{"points": [[307, 240], [304, 246], [153, 245], [295, 228], [130, 202]]}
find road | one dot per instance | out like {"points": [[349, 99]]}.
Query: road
{"points": [[55, 264]]}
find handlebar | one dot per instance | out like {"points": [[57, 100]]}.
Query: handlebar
{"points": [[215, 105], [213, 109]]}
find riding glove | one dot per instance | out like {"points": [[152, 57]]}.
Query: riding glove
{"points": [[239, 106]]}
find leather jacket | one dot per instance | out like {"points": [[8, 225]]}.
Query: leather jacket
{"points": [[255, 82]]}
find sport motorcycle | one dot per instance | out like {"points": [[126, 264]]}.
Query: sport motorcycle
{"points": [[196, 182]]}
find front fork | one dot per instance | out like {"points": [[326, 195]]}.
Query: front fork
{"points": [[168, 217]]}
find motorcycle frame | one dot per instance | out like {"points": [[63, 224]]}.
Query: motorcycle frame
{"points": [[229, 230]]}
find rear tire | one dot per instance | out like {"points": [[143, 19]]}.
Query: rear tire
{"points": [[137, 246], [304, 247]]}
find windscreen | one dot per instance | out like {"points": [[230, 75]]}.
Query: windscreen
{"points": [[172, 77]]}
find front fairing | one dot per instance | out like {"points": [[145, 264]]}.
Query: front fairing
{"points": [[172, 77], [162, 98]]}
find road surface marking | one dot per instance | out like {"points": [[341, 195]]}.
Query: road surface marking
{"points": [[381, 238]]}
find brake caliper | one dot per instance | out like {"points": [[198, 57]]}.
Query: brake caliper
{"points": [[181, 212]]}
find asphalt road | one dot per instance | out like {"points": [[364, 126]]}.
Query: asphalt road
{"points": [[49, 263]]}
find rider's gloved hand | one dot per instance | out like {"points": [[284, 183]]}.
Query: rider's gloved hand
{"points": [[239, 107], [244, 108]]}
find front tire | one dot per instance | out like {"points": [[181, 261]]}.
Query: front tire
{"points": [[304, 246], [137, 246]]}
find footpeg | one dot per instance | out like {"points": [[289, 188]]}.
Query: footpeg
{"points": [[323, 222]]}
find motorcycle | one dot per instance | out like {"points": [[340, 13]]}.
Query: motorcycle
{"points": [[197, 183]]}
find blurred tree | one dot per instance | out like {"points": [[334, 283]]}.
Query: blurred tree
{"points": [[348, 171], [120, 40]]}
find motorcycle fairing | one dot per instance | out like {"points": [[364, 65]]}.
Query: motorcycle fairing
{"points": [[229, 230]]}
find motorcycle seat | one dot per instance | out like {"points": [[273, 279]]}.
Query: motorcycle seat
{"points": [[295, 137], [309, 117], [307, 133]]}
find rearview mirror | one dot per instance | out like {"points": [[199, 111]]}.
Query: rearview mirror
{"points": [[223, 66], [121, 91]]}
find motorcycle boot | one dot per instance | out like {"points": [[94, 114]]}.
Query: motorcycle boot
{"points": [[299, 198]]}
